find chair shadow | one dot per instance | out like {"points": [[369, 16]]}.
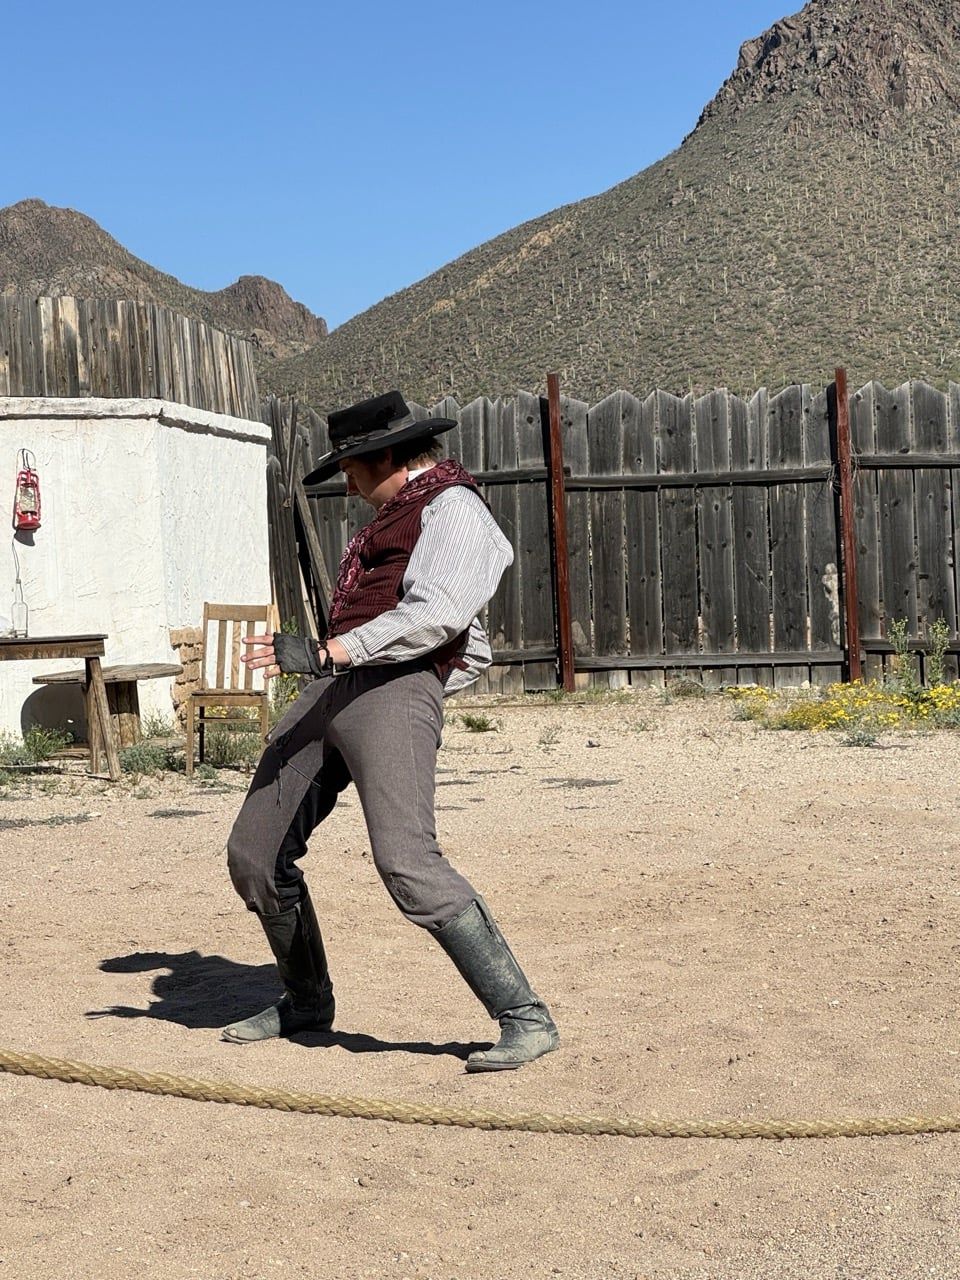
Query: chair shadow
{"points": [[202, 992]]}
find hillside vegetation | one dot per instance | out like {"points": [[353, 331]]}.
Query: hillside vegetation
{"points": [[809, 220]]}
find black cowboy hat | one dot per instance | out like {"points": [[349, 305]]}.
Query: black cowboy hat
{"points": [[372, 425]]}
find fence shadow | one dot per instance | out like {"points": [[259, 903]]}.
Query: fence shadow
{"points": [[208, 992]]}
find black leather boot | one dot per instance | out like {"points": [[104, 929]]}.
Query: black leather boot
{"points": [[307, 1003], [478, 949]]}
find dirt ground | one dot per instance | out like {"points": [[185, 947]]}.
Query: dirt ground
{"points": [[725, 921]]}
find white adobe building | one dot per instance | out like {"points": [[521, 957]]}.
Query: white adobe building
{"points": [[149, 508]]}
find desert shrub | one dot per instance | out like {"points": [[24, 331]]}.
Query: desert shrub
{"points": [[861, 738], [752, 701], [34, 747], [41, 744], [150, 757], [474, 722], [224, 748], [800, 715], [938, 638], [865, 708], [156, 725]]}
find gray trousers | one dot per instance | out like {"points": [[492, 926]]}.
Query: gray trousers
{"points": [[379, 728]]}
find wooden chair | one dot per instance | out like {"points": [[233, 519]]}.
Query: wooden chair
{"points": [[234, 683]]}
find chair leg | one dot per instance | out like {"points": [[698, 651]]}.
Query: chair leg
{"points": [[264, 717], [191, 724], [200, 728]]}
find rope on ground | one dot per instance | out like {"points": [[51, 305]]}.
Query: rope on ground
{"points": [[31, 1064]]}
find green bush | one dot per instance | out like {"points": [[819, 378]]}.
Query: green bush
{"points": [[156, 725], [36, 746], [474, 723], [224, 747], [149, 757]]}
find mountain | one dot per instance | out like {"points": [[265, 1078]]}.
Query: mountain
{"points": [[810, 219], [50, 251]]}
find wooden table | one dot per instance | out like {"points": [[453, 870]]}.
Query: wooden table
{"points": [[90, 648], [123, 698]]}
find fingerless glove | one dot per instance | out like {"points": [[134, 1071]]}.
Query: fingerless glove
{"points": [[297, 655]]}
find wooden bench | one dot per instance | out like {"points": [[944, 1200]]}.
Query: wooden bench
{"points": [[123, 699]]}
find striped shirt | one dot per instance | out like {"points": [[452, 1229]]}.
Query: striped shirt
{"points": [[454, 569]]}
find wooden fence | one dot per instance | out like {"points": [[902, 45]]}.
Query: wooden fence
{"points": [[704, 532], [94, 347]]}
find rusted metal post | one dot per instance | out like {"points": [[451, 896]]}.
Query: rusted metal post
{"points": [[851, 598], [557, 505]]}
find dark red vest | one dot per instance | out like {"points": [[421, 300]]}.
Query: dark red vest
{"points": [[384, 558]]}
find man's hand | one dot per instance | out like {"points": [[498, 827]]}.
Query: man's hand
{"points": [[261, 656], [281, 654]]}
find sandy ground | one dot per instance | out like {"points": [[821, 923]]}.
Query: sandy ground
{"points": [[725, 922]]}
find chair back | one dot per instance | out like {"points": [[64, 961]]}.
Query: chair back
{"points": [[224, 625]]}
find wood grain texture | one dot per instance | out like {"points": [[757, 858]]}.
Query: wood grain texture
{"points": [[727, 519], [605, 433], [576, 455], [642, 535], [822, 538], [715, 530], [787, 540], [532, 547], [68, 347], [678, 518], [898, 563], [866, 524]]}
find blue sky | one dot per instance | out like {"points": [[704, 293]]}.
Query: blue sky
{"points": [[347, 150]]}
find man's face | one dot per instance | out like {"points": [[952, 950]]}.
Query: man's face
{"points": [[364, 475]]}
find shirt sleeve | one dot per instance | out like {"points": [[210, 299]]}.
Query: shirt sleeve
{"points": [[454, 569]]}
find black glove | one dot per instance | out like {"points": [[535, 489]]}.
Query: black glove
{"points": [[297, 655]]}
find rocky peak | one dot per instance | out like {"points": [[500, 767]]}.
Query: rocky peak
{"points": [[46, 250], [868, 61], [266, 307]]}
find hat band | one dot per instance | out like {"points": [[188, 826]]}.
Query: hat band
{"points": [[350, 442]]}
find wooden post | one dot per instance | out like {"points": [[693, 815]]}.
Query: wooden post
{"points": [[97, 703], [851, 599], [557, 504]]}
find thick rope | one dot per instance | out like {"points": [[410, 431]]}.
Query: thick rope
{"points": [[30, 1064]]}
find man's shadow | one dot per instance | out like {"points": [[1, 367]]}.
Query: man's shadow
{"points": [[211, 992]]}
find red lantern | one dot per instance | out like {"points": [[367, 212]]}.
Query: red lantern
{"points": [[26, 496]]}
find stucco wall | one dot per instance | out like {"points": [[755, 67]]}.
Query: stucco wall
{"points": [[148, 510]]}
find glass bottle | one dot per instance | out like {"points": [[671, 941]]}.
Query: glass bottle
{"points": [[19, 613]]}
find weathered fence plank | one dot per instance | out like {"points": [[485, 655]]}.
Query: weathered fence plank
{"points": [[678, 519], [750, 533], [935, 536], [533, 547], [953, 396], [787, 540], [576, 456], [642, 531], [472, 443], [866, 524], [715, 531], [471, 434], [605, 432], [898, 566], [822, 538], [68, 347], [504, 610], [330, 516]]}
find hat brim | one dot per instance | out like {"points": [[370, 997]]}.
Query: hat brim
{"points": [[329, 464]]}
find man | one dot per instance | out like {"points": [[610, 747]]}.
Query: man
{"points": [[403, 632]]}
